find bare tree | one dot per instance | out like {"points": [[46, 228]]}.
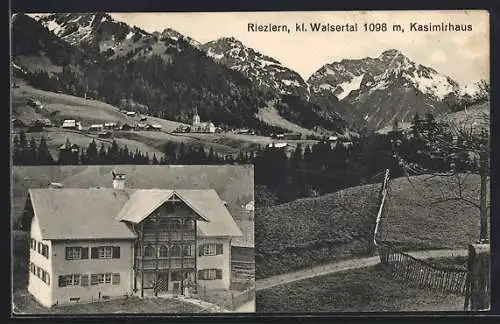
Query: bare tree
{"points": [[468, 133]]}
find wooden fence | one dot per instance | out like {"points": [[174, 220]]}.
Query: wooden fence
{"points": [[243, 270], [226, 299], [238, 299], [419, 273]]}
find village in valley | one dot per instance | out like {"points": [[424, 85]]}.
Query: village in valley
{"points": [[49, 120]]}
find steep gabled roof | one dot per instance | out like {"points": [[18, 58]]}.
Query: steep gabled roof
{"points": [[104, 213], [71, 213], [206, 203]]}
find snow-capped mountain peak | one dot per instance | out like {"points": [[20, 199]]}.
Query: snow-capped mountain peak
{"points": [[265, 71], [382, 88]]}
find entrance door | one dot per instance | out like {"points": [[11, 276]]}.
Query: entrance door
{"points": [[162, 283]]}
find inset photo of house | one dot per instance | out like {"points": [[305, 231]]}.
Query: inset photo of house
{"points": [[132, 239]]}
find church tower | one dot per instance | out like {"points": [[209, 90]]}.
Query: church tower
{"points": [[196, 118]]}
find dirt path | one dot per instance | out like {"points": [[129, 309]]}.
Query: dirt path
{"points": [[340, 266]]}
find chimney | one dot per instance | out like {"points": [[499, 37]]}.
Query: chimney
{"points": [[118, 180]]}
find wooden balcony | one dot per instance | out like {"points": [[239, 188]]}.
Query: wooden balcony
{"points": [[165, 236], [165, 263]]}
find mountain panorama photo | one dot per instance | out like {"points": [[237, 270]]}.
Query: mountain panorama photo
{"points": [[369, 145]]}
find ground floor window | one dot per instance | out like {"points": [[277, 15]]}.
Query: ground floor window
{"points": [[83, 279], [104, 278], [210, 274], [70, 280]]}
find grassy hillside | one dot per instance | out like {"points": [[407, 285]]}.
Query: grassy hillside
{"points": [[231, 182], [271, 116], [62, 106], [340, 225], [369, 289]]}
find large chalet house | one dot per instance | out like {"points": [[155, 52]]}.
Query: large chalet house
{"points": [[91, 244]]}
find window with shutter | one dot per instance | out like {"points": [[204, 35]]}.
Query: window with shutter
{"points": [[209, 249], [116, 252], [211, 274], [201, 249], [94, 279], [105, 252], [218, 249], [73, 253], [200, 275], [45, 250], [62, 281], [85, 280], [116, 278], [48, 279], [218, 274]]}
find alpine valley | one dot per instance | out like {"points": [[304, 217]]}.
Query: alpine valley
{"points": [[226, 82]]}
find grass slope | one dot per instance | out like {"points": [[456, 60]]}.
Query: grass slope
{"points": [[270, 115], [369, 289], [337, 226], [72, 107]]}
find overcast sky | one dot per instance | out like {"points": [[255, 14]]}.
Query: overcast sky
{"points": [[464, 56]]}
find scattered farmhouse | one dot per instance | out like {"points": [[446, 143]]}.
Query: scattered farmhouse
{"points": [[92, 244], [242, 131], [131, 113], [73, 148], [71, 124], [201, 127], [152, 127], [35, 103], [144, 118], [288, 136], [110, 125], [277, 145], [96, 127], [45, 122], [250, 206]]}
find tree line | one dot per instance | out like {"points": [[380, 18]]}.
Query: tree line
{"points": [[284, 176], [26, 151]]}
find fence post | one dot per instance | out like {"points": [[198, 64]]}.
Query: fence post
{"points": [[479, 277]]}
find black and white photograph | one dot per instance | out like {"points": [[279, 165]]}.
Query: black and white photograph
{"points": [[132, 239], [362, 140]]}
